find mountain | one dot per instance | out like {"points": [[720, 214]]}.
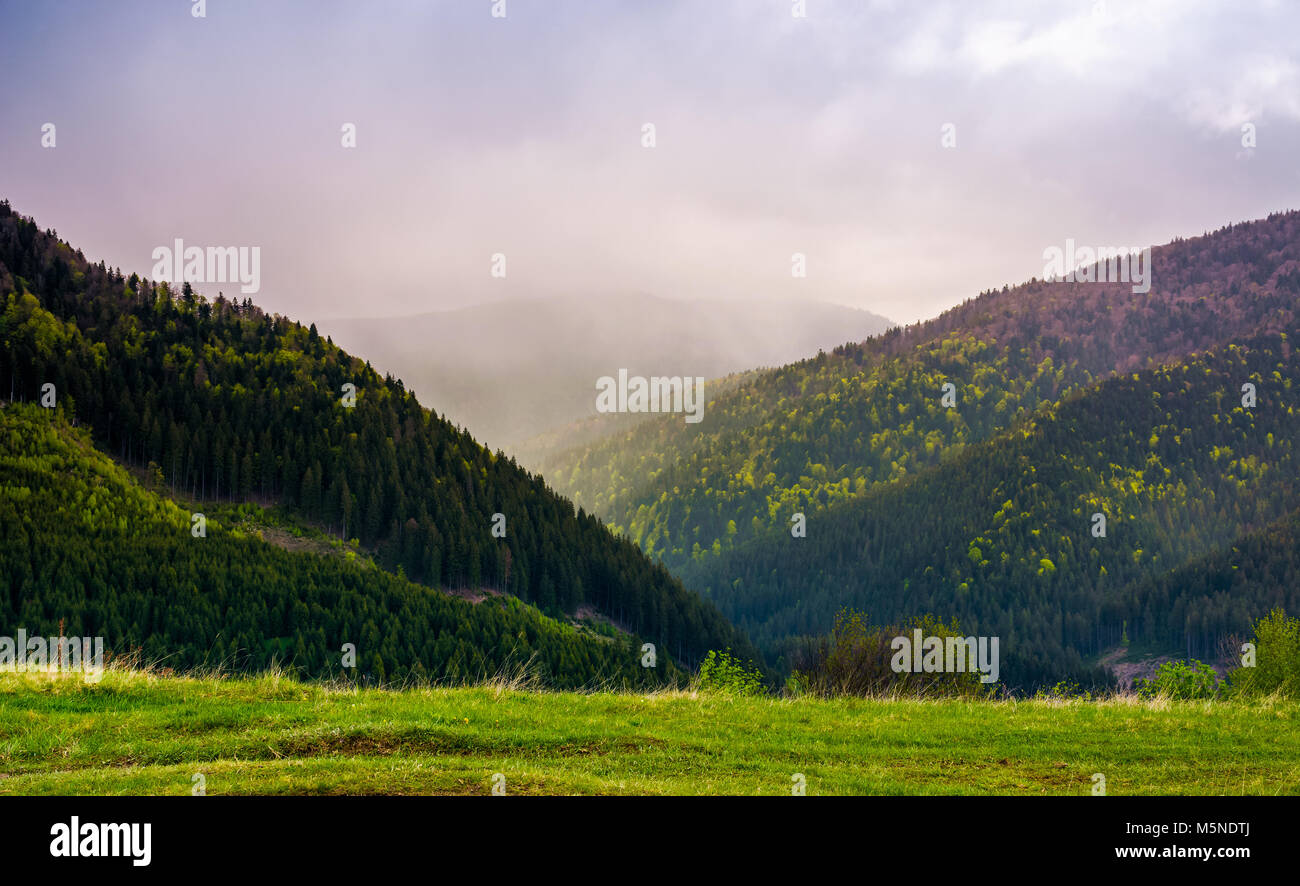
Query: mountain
{"points": [[1004, 536], [865, 430], [544, 448], [223, 402], [509, 371], [830, 427], [89, 552]]}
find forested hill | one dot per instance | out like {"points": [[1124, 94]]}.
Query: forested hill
{"points": [[229, 402], [830, 428], [89, 552], [1179, 461]]}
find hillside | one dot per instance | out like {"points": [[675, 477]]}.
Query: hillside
{"points": [[1002, 535], [90, 552], [1258, 570], [1067, 400], [833, 426], [586, 432], [220, 401], [509, 371]]}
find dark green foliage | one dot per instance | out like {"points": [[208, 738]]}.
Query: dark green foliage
{"points": [[1065, 690], [810, 434], [231, 403], [1000, 538], [88, 547], [982, 511], [856, 659]]}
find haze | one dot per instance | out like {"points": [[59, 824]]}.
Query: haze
{"points": [[1116, 123]]}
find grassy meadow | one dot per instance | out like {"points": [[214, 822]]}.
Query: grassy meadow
{"points": [[138, 732]]}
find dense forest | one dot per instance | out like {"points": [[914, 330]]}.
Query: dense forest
{"points": [[954, 469], [1004, 536], [830, 428], [1259, 569], [221, 401], [90, 552], [920, 460]]}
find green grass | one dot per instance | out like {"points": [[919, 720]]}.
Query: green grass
{"points": [[142, 733]]}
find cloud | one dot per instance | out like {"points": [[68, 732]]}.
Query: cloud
{"points": [[775, 135]]}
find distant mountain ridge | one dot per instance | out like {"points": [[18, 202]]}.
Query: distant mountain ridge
{"points": [[509, 371], [828, 427], [1003, 534], [850, 436]]}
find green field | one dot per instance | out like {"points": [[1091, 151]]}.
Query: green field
{"points": [[139, 733]]}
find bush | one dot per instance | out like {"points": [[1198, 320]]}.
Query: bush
{"points": [[722, 672], [1277, 659], [856, 660], [1182, 680], [1065, 690]]}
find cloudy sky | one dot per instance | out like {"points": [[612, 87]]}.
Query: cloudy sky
{"points": [[1115, 123]]}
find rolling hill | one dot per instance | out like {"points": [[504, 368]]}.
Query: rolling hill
{"points": [[848, 436], [89, 552], [831, 426], [219, 401], [1004, 536]]}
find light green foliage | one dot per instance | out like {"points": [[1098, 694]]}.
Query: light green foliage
{"points": [[722, 672], [1277, 659], [1181, 680]]}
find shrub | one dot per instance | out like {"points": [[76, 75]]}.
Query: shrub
{"points": [[724, 673], [1065, 690], [856, 660], [1183, 680], [1277, 659]]}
